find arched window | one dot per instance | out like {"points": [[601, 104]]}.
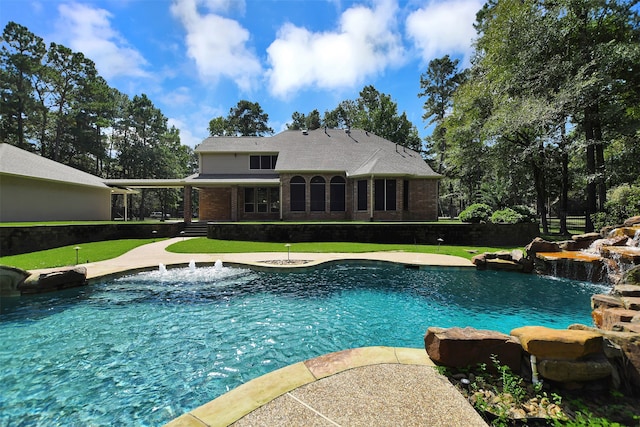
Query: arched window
{"points": [[297, 190], [337, 188], [317, 193]]}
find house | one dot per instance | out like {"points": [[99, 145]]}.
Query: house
{"points": [[33, 188], [324, 174]]}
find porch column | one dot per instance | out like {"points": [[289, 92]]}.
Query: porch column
{"points": [[234, 203], [371, 196], [188, 210]]}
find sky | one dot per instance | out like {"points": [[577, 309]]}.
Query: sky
{"points": [[195, 59]]}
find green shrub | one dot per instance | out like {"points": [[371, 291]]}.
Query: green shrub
{"points": [[528, 214], [622, 202], [477, 212], [506, 216]]}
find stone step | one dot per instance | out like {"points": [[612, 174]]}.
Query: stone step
{"points": [[631, 303], [605, 301], [613, 316], [627, 290], [195, 230], [626, 327]]}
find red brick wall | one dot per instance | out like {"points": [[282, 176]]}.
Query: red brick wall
{"points": [[215, 204], [423, 200]]}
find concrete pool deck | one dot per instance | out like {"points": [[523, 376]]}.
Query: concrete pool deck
{"points": [[149, 256], [371, 386]]}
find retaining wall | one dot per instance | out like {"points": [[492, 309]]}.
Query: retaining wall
{"points": [[407, 233], [19, 240]]}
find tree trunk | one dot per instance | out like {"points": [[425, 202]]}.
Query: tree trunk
{"points": [[600, 168], [143, 195], [591, 169], [541, 190], [564, 190]]}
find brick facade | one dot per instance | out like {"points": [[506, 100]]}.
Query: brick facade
{"points": [[227, 204], [215, 204]]}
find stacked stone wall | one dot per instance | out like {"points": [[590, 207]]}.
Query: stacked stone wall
{"points": [[378, 232], [19, 240]]}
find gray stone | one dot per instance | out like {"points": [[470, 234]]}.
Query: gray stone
{"points": [[574, 370]]}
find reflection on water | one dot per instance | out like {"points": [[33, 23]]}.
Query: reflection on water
{"points": [[146, 348]]}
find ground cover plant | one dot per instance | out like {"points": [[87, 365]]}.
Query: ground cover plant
{"points": [[503, 398]]}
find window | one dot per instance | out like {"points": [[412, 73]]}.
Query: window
{"points": [[249, 200], [297, 190], [405, 195], [385, 197], [317, 193], [338, 192], [274, 199], [362, 195], [262, 162], [261, 199]]}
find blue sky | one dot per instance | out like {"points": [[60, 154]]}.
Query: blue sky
{"points": [[195, 59]]}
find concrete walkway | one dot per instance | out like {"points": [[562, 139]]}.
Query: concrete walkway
{"points": [[151, 255], [372, 386]]}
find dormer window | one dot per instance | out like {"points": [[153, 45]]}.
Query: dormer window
{"points": [[263, 162]]}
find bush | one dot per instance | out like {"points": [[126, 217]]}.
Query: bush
{"points": [[478, 212], [622, 202], [506, 216], [528, 214]]}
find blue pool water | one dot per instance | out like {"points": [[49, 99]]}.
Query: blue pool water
{"points": [[143, 349]]}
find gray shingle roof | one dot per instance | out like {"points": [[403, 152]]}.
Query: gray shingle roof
{"points": [[357, 153], [18, 162]]}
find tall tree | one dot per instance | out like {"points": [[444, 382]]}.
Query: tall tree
{"points": [[245, 119], [21, 58], [68, 72], [375, 112], [438, 85], [300, 121], [248, 119]]}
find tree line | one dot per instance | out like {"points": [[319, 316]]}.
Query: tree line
{"points": [[55, 103], [547, 115], [549, 109]]}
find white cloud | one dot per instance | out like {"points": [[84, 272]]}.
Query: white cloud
{"points": [[88, 30], [443, 28], [187, 136], [364, 44], [218, 45]]}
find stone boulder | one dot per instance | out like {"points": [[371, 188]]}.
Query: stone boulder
{"points": [[562, 344], [630, 222], [623, 351], [10, 280], [631, 277], [464, 347], [54, 280], [503, 260], [575, 371], [540, 245]]}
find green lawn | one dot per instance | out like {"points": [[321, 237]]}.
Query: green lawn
{"points": [[99, 251], [66, 255], [204, 245]]}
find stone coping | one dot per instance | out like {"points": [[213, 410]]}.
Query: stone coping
{"points": [[246, 398]]}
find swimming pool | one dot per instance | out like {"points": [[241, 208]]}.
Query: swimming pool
{"points": [[143, 349]]}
